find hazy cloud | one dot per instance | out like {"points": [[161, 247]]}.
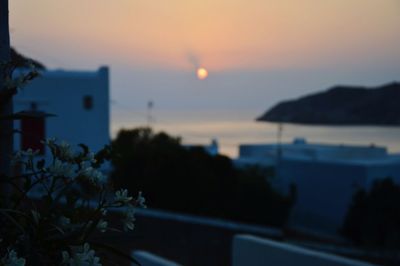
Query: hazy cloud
{"points": [[193, 59]]}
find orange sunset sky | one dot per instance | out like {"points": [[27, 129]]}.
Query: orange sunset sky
{"points": [[222, 34], [257, 52]]}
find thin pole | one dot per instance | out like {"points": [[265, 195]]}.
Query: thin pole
{"points": [[150, 106], [279, 137], [6, 107]]}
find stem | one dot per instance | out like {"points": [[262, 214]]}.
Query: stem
{"points": [[25, 193]]}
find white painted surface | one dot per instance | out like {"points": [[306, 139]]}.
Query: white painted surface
{"points": [[326, 177], [302, 150], [254, 251], [61, 93], [148, 259]]}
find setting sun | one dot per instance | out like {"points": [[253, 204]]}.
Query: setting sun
{"points": [[202, 73]]}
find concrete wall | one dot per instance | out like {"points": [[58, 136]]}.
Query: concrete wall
{"points": [[148, 259], [325, 189], [254, 251], [61, 93], [380, 171]]}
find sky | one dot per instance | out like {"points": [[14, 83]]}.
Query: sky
{"points": [[257, 52]]}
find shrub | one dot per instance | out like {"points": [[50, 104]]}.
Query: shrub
{"points": [[183, 179], [373, 218], [56, 207]]}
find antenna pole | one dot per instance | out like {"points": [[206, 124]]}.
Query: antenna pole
{"points": [[150, 119], [279, 138]]}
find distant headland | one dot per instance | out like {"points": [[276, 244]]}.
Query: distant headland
{"points": [[341, 105]]}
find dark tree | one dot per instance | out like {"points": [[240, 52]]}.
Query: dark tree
{"points": [[373, 218], [177, 178], [21, 61]]}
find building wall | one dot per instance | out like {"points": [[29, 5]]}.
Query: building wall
{"points": [[375, 172], [312, 151], [326, 177], [62, 93], [325, 189]]}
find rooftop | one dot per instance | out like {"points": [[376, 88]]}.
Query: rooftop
{"points": [[300, 149], [67, 73]]}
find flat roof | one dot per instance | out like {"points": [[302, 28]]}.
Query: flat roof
{"points": [[65, 72]]}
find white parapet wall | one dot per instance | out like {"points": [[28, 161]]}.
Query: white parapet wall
{"points": [[148, 259], [249, 250]]}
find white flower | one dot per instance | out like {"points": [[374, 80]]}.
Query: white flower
{"points": [[20, 155], [140, 200], [58, 168], [30, 153], [103, 211], [102, 225], [75, 260], [50, 142], [65, 258], [66, 152], [85, 258], [92, 174], [122, 196], [11, 259], [129, 219], [17, 158], [25, 157]]}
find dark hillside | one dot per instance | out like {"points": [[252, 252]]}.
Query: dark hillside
{"points": [[341, 105]]}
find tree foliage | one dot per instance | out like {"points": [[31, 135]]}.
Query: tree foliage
{"points": [[190, 180], [22, 61], [373, 218]]}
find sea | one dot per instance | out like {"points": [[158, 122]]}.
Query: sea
{"points": [[234, 127]]}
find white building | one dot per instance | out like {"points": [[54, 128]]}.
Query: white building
{"points": [[326, 176], [212, 148], [78, 99]]}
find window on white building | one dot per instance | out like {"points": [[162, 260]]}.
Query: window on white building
{"points": [[88, 102]]}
